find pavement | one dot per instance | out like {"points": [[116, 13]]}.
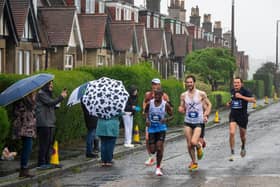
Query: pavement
{"points": [[73, 157]]}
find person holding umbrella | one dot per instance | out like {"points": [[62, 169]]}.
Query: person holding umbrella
{"points": [[24, 127], [45, 115]]}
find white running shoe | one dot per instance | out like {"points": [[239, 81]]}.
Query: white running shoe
{"points": [[158, 172], [129, 145], [150, 161], [231, 158]]}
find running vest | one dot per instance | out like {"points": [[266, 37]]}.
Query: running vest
{"points": [[194, 109], [156, 113]]}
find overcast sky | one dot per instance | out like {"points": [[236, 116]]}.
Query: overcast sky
{"points": [[255, 22]]}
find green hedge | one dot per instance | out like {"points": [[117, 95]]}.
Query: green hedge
{"points": [[259, 89], [268, 83], [4, 127], [219, 99]]}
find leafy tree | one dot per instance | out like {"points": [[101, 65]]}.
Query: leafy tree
{"points": [[213, 64], [268, 67]]}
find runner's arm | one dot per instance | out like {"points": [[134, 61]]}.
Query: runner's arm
{"points": [[181, 107]]}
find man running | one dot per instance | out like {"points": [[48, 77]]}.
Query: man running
{"points": [[148, 96], [196, 107], [156, 120], [238, 114]]}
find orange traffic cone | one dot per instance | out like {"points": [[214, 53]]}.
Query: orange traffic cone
{"points": [[54, 157], [136, 134]]}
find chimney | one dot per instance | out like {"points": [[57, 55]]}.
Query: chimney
{"points": [[207, 24], [153, 5], [195, 18]]}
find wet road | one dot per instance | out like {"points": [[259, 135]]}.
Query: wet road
{"points": [[260, 167]]}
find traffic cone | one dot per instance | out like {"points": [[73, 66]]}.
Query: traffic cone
{"points": [[275, 97], [254, 105], [54, 157], [217, 119], [136, 135], [266, 100]]}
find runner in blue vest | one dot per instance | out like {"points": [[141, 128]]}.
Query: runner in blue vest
{"points": [[156, 118]]}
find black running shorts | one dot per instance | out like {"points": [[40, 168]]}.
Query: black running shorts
{"points": [[240, 118], [157, 136]]}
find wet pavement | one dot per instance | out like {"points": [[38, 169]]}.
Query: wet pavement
{"points": [[129, 170]]}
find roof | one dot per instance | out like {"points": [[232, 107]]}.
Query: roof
{"points": [[122, 35], [180, 45], [20, 9], [57, 22], [93, 29], [56, 2], [155, 40]]}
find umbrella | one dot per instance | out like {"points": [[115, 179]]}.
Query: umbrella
{"points": [[24, 87], [77, 94], [105, 97]]}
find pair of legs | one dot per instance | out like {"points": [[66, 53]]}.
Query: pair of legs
{"points": [[232, 130], [128, 127], [107, 149], [192, 134], [24, 158], [156, 145], [92, 142], [46, 140]]}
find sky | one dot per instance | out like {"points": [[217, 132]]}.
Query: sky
{"points": [[255, 24]]}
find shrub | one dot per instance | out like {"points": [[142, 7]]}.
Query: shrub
{"points": [[219, 99], [4, 127]]}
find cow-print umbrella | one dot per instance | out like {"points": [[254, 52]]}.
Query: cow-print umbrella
{"points": [[105, 98]]}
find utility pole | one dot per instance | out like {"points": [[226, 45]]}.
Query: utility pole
{"points": [[232, 29], [276, 62]]}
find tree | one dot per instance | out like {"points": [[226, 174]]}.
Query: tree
{"points": [[268, 67], [213, 64]]}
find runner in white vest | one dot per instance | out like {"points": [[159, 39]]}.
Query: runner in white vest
{"points": [[196, 107]]}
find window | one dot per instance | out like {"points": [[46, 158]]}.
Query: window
{"points": [[19, 62], [156, 22], [27, 33], [128, 61], [68, 62], [162, 23], [101, 7], [27, 62], [118, 14], [78, 5], [101, 60], [148, 21], [178, 28], [2, 25], [176, 70], [36, 64], [136, 16], [172, 27], [90, 6]]}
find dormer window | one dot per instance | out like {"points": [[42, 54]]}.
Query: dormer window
{"points": [[90, 6], [101, 7], [78, 5], [156, 22], [148, 21], [27, 33]]}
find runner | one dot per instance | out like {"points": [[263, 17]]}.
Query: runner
{"points": [[156, 120], [148, 96], [196, 107], [238, 114]]}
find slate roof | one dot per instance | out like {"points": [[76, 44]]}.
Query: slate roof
{"points": [[155, 40], [93, 29], [122, 35], [180, 45], [57, 22]]}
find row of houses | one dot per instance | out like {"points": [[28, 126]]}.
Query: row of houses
{"points": [[65, 34]]}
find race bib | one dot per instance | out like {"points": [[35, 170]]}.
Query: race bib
{"points": [[155, 118], [236, 104], [193, 114]]}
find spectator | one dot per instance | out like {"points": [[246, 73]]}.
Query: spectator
{"points": [[24, 127], [45, 115]]}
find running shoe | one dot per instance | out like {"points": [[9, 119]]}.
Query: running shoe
{"points": [[193, 167], [231, 158], [150, 161], [243, 152], [199, 152], [159, 172]]}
